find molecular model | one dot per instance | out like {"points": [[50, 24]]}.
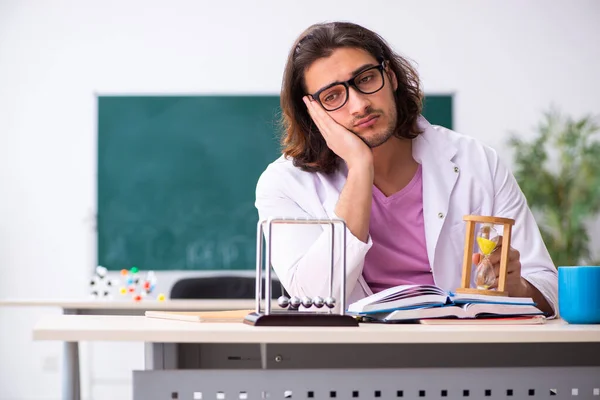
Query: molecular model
{"points": [[139, 288], [100, 285]]}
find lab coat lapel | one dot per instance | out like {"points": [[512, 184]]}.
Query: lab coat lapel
{"points": [[434, 151]]}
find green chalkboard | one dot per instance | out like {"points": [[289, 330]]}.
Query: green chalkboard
{"points": [[437, 109], [177, 176]]}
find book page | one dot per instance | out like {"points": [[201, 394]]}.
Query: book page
{"points": [[462, 298], [423, 313], [396, 293], [481, 309]]}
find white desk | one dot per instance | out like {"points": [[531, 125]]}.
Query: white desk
{"points": [[129, 307], [186, 360], [71, 369]]}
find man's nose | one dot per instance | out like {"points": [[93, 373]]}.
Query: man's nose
{"points": [[357, 102]]}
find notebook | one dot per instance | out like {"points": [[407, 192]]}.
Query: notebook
{"points": [[201, 316], [415, 302]]}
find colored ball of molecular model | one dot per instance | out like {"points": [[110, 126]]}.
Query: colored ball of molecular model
{"points": [[137, 287]]}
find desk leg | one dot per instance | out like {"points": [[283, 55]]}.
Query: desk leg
{"points": [[70, 387]]}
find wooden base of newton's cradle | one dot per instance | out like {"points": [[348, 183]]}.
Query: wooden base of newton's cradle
{"points": [[468, 254], [299, 318]]}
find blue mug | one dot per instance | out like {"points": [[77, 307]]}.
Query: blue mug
{"points": [[579, 294]]}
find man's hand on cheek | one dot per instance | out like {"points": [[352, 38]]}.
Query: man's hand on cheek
{"points": [[340, 140]]}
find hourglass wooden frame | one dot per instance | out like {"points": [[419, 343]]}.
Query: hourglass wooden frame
{"points": [[471, 221]]}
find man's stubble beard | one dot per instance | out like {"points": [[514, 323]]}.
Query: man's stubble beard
{"points": [[382, 136]]}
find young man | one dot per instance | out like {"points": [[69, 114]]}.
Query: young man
{"points": [[357, 148]]}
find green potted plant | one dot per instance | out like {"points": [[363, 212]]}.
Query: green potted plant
{"points": [[559, 173]]}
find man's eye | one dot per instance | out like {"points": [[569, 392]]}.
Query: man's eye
{"points": [[330, 97]]}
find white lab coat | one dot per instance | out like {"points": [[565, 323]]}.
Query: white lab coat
{"points": [[460, 176]]}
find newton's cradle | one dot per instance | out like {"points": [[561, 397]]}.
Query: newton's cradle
{"points": [[292, 315]]}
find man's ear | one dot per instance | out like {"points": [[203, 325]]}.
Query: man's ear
{"points": [[391, 75]]}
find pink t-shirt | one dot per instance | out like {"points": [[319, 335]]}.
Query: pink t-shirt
{"points": [[398, 255]]}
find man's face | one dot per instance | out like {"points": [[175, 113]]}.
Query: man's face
{"points": [[370, 116]]}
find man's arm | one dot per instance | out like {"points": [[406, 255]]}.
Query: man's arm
{"points": [[302, 260], [515, 284], [537, 296], [354, 204], [301, 254], [538, 277]]}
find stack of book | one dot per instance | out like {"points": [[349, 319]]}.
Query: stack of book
{"points": [[431, 304]]}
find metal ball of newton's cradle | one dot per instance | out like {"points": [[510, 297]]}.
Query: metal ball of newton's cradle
{"points": [[318, 302], [283, 301], [295, 302], [307, 302], [330, 302]]}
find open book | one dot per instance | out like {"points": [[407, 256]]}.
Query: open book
{"points": [[415, 302]]}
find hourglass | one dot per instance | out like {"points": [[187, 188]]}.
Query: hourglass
{"points": [[487, 241]]}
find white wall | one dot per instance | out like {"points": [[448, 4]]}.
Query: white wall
{"points": [[506, 61]]}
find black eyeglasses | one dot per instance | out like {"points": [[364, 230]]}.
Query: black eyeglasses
{"points": [[334, 96]]}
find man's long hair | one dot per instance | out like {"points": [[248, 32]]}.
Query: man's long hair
{"points": [[301, 138]]}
